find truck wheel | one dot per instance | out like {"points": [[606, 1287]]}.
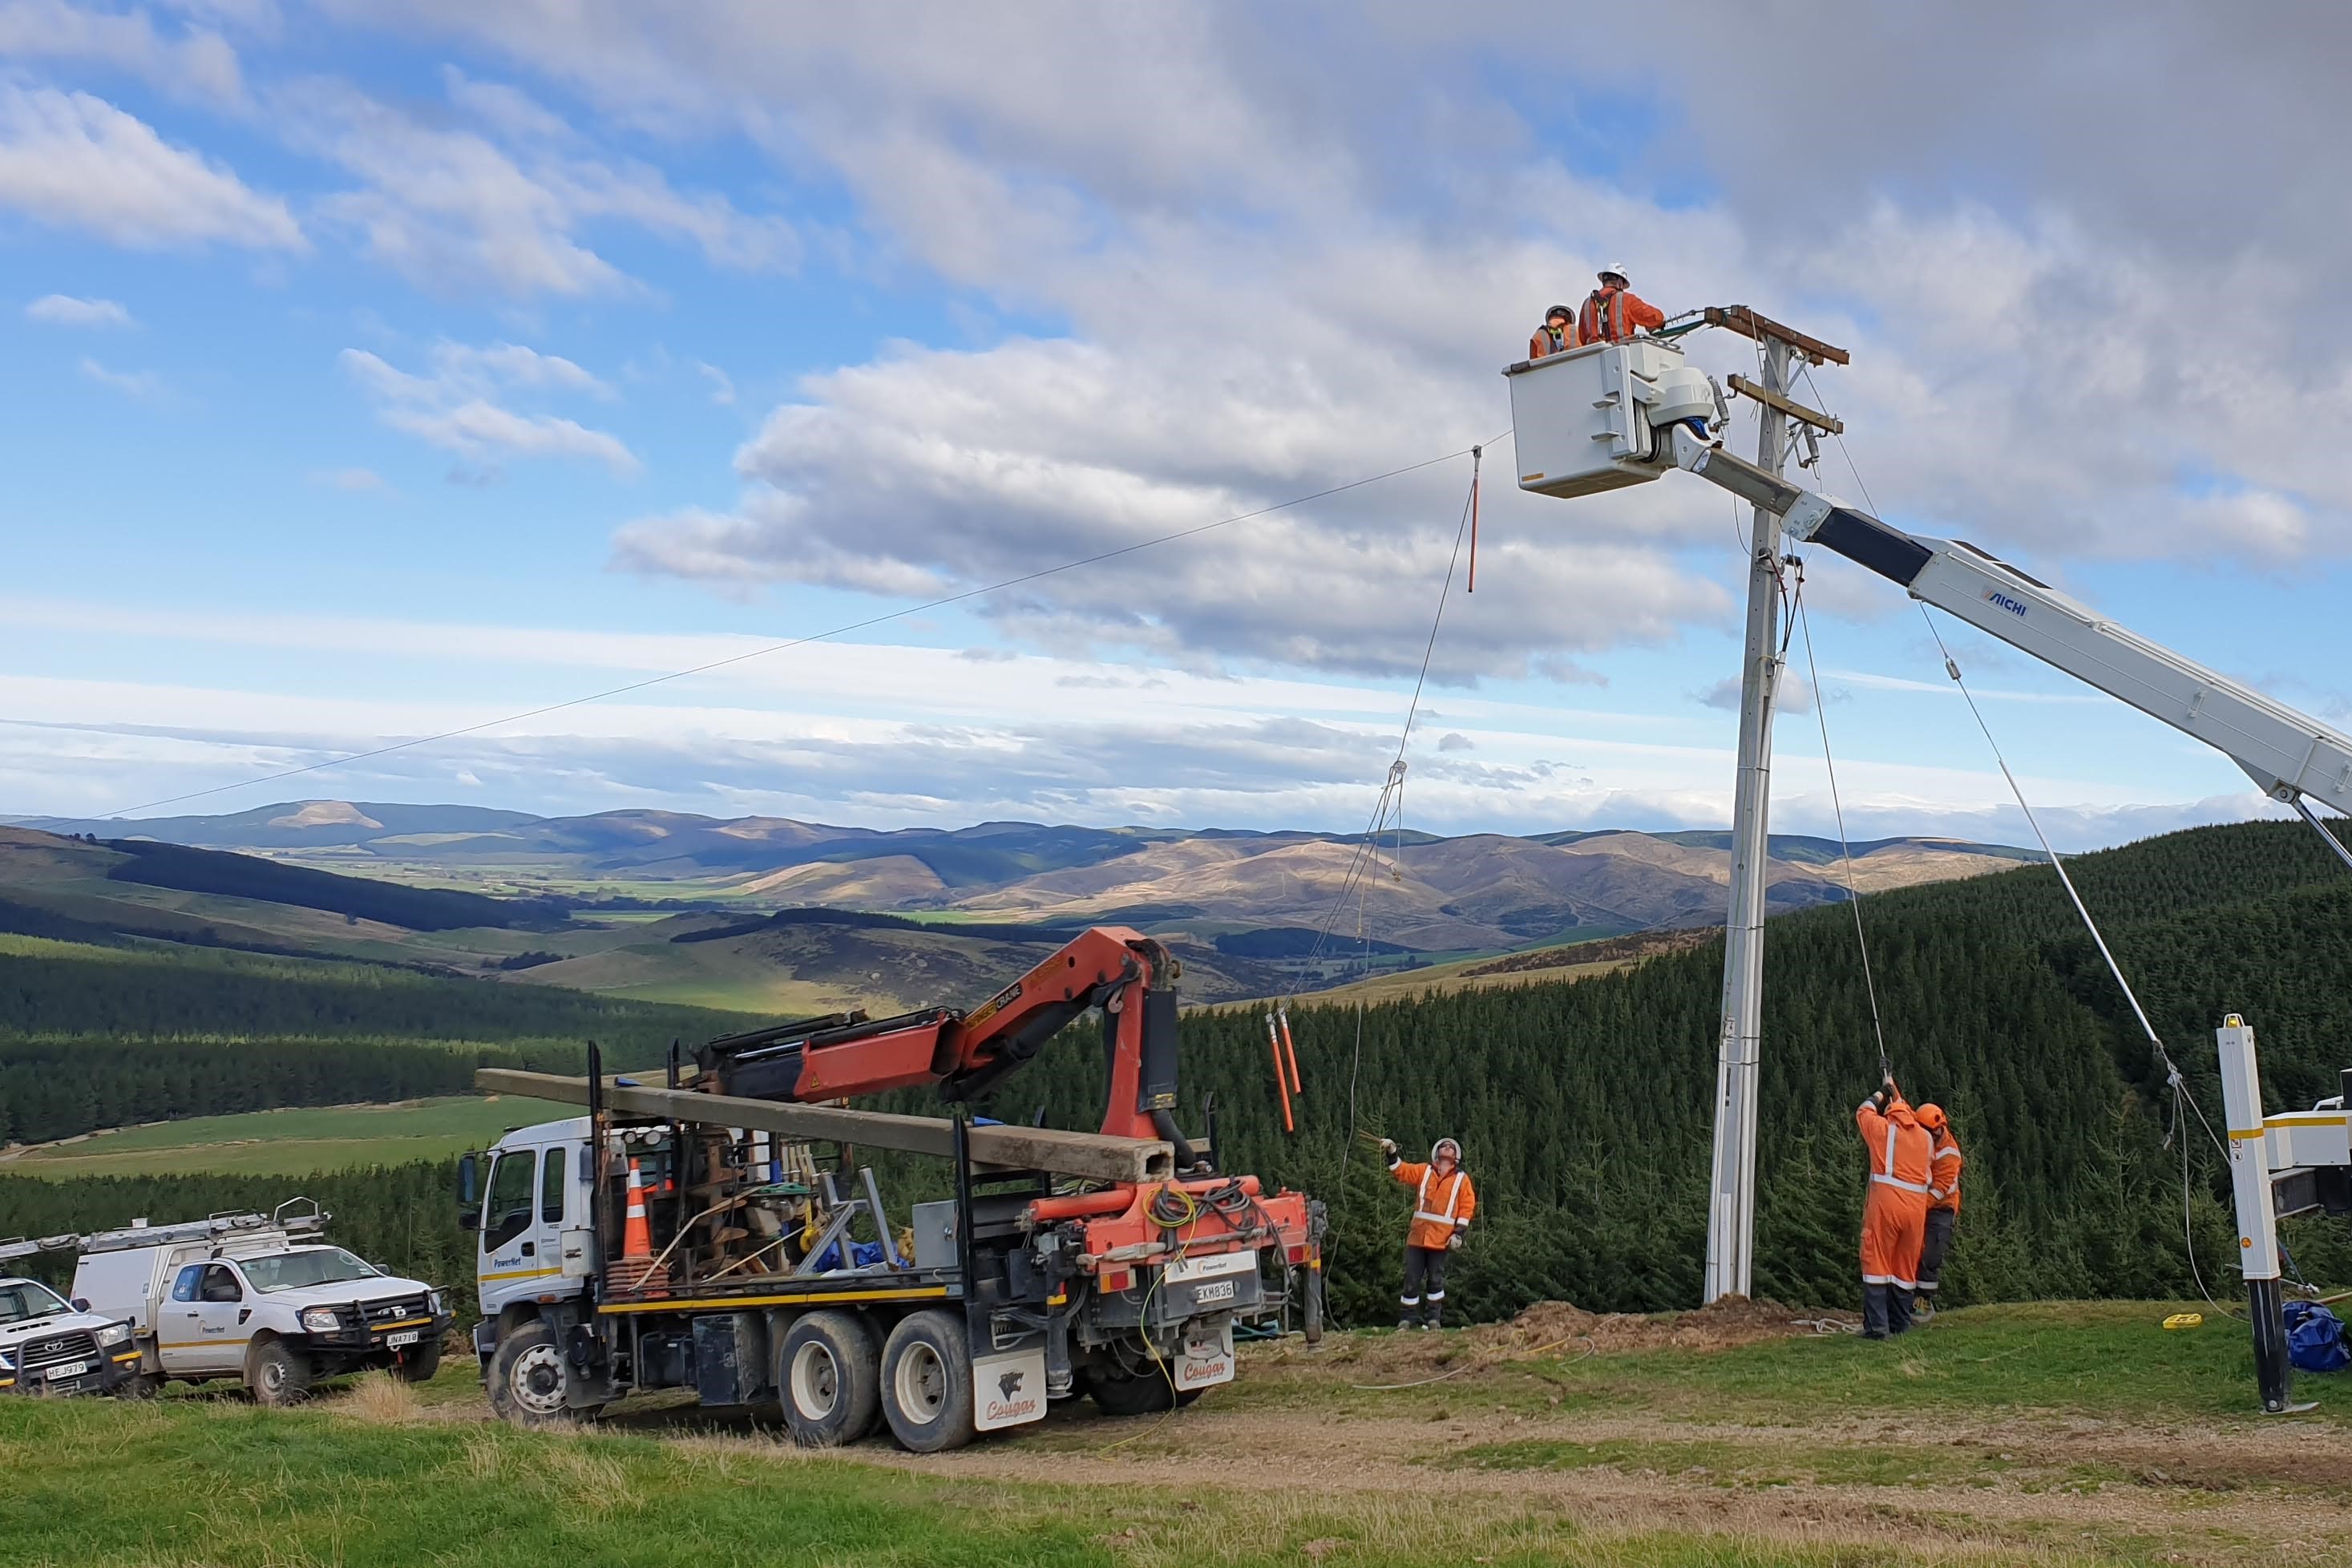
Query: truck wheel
{"points": [[1311, 1312], [420, 1363], [140, 1385], [828, 1374], [277, 1375], [526, 1377], [927, 1383], [1119, 1392]]}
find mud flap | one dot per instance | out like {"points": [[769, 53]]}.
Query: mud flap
{"points": [[1206, 1359], [1008, 1390]]}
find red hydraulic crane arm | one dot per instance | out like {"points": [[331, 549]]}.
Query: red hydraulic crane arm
{"points": [[1125, 973]]}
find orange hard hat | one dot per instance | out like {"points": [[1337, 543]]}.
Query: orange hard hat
{"points": [[1931, 1117]]}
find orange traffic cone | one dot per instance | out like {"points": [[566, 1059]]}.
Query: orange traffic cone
{"points": [[637, 1235], [633, 1273]]}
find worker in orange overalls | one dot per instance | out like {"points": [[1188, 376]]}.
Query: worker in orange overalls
{"points": [[1894, 1214], [1613, 310], [1442, 1201], [1944, 1162], [1557, 335]]}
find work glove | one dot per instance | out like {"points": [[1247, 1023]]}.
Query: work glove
{"points": [[1453, 1242], [1388, 1147]]}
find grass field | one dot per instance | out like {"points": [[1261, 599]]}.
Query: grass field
{"points": [[2055, 1434], [290, 1142]]}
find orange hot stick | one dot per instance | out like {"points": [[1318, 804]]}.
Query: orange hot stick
{"points": [[1281, 1084]]}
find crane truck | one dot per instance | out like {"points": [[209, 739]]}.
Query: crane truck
{"points": [[682, 1235], [1610, 414]]}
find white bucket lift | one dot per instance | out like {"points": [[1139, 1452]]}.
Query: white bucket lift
{"points": [[1594, 419]]}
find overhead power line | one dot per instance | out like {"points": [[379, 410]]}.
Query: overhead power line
{"points": [[827, 636]]}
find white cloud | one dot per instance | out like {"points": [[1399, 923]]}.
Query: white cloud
{"points": [[722, 385], [453, 406], [77, 161], [504, 206], [143, 384], [483, 430], [66, 310], [199, 64]]}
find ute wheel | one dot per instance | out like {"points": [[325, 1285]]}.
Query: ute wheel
{"points": [[526, 1378], [277, 1375], [828, 1375], [927, 1383], [423, 1359], [1119, 1392], [140, 1385]]}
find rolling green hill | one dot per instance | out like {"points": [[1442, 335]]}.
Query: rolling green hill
{"points": [[1585, 1106]]}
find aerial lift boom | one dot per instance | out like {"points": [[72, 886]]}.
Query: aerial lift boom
{"points": [[1614, 415]]}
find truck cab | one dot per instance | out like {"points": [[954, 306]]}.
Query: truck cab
{"points": [[534, 1240], [266, 1300], [51, 1345]]}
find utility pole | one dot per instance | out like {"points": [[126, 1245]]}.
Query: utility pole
{"points": [[1731, 1191]]}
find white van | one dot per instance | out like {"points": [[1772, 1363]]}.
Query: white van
{"points": [[262, 1298]]}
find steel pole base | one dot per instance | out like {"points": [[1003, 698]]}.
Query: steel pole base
{"points": [[2274, 1372]]}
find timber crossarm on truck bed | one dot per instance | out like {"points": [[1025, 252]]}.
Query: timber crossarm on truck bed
{"points": [[1094, 1155]]}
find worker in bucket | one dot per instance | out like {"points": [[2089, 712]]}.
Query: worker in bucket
{"points": [[1442, 1201], [1894, 1214], [1613, 311], [1557, 335], [1944, 1162]]}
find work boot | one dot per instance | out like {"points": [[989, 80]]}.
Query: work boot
{"points": [[1404, 1323]]}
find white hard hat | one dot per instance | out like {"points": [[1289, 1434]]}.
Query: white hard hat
{"points": [[1615, 269], [1445, 1143]]}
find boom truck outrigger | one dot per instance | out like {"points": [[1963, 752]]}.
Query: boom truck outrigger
{"points": [[1612, 415], [1126, 1284]]}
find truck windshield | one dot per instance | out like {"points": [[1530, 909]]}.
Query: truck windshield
{"points": [[21, 1300], [293, 1271]]}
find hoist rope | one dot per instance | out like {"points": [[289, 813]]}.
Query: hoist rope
{"points": [[842, 630], [1845, 847], [1366, 846]]}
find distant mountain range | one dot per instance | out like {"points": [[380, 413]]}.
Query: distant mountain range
{"points": [[1471, 893]]}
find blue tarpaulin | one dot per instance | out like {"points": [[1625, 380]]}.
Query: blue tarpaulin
{"points": [[2314, 1338]]}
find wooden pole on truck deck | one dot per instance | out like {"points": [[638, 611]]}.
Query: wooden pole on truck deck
{"points": [[1090, 1154]]}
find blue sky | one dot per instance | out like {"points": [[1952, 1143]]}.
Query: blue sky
{"points": [[365, 381]]}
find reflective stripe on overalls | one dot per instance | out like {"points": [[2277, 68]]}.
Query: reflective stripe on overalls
{"points": [[1453, 1199], [1890, 1178]]}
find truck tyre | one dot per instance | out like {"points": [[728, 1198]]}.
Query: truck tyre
{"points": [[829, 1377], [1311, 1311], [140, 1385], [277, 1375], [927, 1383], [1120, 1392], [526, 1377], [420, 1363]]}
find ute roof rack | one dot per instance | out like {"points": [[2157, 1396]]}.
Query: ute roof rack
{"points": [[138, 1232]]}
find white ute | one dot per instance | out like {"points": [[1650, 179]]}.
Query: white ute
{"points": [[260, 1298], [47, 1345]]}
